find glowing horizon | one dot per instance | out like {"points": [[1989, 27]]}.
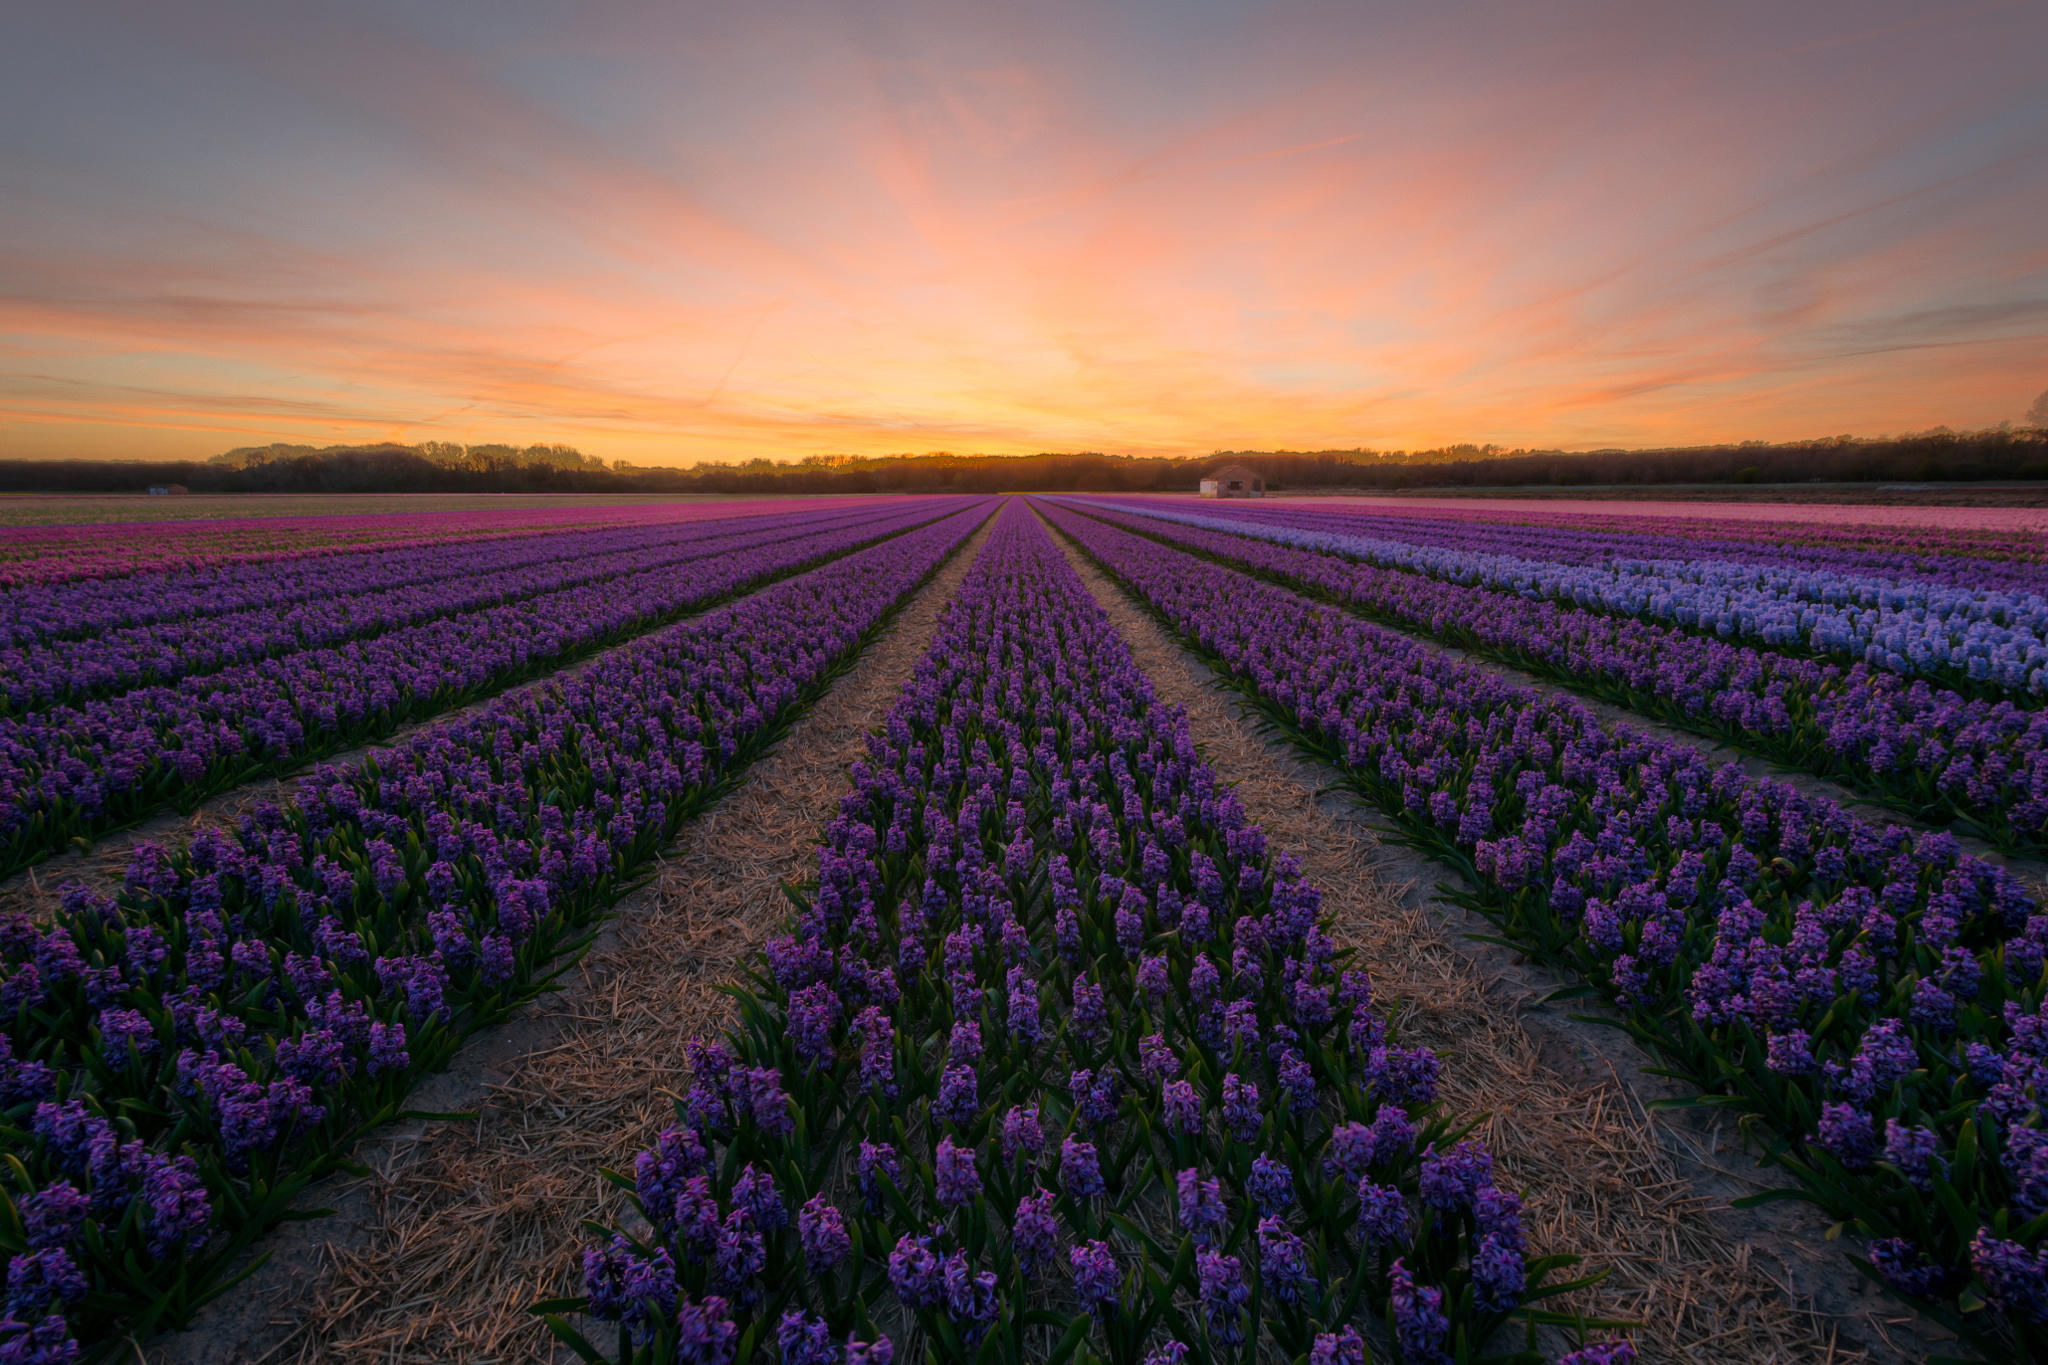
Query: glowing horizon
{"points": [[1143, 229]]}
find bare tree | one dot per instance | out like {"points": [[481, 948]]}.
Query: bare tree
{"points": [[2037, 415]]}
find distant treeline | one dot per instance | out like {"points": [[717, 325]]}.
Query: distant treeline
{"points": [[436, 467]]}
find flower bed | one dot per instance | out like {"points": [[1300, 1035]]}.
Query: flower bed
{"points": [[1931, 752], [1993, 641], [69, 560], [1876, 999], [72, 772], [1056, 1063], [361, 596], [180, 1059]]}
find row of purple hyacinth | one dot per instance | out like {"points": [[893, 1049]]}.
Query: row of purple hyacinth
{"points": [[1930, 751], [299, 557], [1991, 642], [76, 771], [1877, 998], [358, 601], [1058, 1062], [1954, 557], [181, 1058]]}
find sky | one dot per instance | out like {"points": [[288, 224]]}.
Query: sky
{"points": [[675, 232]]}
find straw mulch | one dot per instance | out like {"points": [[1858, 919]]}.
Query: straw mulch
{"points": [[1564, 1105], [474, 1221]]}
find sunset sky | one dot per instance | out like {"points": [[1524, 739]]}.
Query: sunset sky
{"points": [[680, 232]]}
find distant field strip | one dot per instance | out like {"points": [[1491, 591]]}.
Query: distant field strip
{"points": [[222, 531], [335, 599], [72, 772], [1939, 621], [1925, 750]]}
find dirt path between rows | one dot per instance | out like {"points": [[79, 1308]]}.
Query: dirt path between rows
{"points": [[436, 1255], [1643, 1197]]}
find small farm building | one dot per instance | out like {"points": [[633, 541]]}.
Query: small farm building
{"points": [[1233, 481]]}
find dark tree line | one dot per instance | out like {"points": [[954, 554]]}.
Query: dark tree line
{"points": [[440, 468]]}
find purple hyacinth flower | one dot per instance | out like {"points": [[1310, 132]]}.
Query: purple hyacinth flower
{"points": [[1096, 1278], [1241, 1113], [1181, 1108], [1202, 1211], [1618, 1351], [1498, 1275], [959, 1096], [1159, 1062], [1023, 1013], [1034, 1232], [1906, 1268], [1080, 1170], [880, 1351], [741, 1256], [813, 1018], [2015, 1279], [823, 1234], [1283, 1262], [914, 1273], [755, 1192], [1090, 1017], [1419, 1321], [877, 1162], [706, 1333], [1848, 1134], [971, 1302], [1382, 1216], [805, 1340], [1021, 1134], [1915, 1152], [53, 1215], [1224, 1295], [958, 1180], [1343, 1347], [1270, 1185], [1451, 1180]]}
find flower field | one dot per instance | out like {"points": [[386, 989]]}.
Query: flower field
{"points": [[1928, 750], [1057, 1056], [1062, 1040], [1875, 998], [35, 551], [71, 771], [1935, 620]]}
